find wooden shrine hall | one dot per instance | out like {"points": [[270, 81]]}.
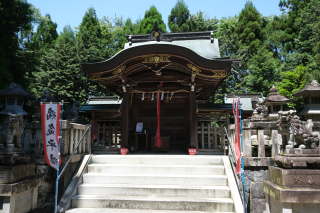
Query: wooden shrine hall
{"points": [[182, 70]]}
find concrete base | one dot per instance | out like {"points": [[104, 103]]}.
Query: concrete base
{"points": [[13, 174], [19, 197], [275, 206]]}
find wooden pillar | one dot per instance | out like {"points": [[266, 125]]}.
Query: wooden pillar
{"points": [[125, 119], [193, 119]]}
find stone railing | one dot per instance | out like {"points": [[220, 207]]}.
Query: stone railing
{"points": [[32, 143]]}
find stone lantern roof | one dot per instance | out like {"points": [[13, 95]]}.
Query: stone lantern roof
{"points": [[275, 97], [311, 98], [15, 89], [311, 88], [15, 96]]}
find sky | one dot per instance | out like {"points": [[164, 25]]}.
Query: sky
{"points": [[71, 11]]}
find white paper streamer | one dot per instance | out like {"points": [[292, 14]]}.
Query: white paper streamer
{"points": [[171, 96], [142, 96], [162, 95], [152, 97]]}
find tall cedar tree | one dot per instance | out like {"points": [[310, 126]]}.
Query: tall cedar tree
{"points": [[45, 36], [202, 22], [15, 17], [59, 70], [250, 28], [308, 38], [229, 47], [177, 20], [147, 23], [89, 39], [291, 30]]}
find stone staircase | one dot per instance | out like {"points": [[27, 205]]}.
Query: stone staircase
{"points": [[154, 183]]}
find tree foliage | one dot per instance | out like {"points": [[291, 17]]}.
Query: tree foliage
{"points": [[146, 25], [177, 20], [15, 18], [250, 28]]}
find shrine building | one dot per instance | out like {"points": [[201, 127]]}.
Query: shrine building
{"points": [[183, 70]]}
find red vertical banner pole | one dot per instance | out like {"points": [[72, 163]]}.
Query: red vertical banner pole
{"points": [[237, 133], [158, 137]]}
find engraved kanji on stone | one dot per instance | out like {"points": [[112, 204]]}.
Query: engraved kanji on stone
{"points": [[51, 130], [51, 114], [52, 143], [53, 160]]}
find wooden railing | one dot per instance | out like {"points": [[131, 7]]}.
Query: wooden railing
{"points": [[211, 137], [106, 136]]}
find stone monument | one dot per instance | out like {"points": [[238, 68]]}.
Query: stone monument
{"points": [[293, 184], [18, 184]]}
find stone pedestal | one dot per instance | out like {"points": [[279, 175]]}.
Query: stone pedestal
{"points": [[292, 190], [18, 188]]}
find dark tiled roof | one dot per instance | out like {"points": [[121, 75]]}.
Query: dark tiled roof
{"points": [[15, 89]]}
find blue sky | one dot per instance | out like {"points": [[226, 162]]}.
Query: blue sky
{"points": [[71, 11]]}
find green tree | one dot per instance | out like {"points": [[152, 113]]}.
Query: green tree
{"points": [[59, 70], [45, 36], [177, 20], [250, 29], [308, 38], [202, 22], [15, 17], [229, 47], [291, 30], [89, 39], [292, 82], [146, 25], [264, 71]]}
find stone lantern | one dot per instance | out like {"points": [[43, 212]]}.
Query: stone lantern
{"points": [[12, 127], [275, 103], [310, 95], [15, 96]]}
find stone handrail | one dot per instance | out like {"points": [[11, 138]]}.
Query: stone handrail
{"points": [[71, 134]]}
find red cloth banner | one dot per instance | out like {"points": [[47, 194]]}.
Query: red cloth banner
{"points": [[50, 121], [237, 139], [158, 137]]}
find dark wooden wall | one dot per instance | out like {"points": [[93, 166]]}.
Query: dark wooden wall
{"points": [[173, 121]]}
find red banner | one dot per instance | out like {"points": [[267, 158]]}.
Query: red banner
{"points": [[50, 121]]}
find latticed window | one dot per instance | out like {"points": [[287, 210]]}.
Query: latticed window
{"points": [[174, 112], [315, 100], [148, 112], [306, 100], [10, 101], [20, 102]]}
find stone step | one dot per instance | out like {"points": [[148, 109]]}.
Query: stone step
{"points": [[151, 179], [157, 159], [154, 190], [154, 203], [103, 210], [156, 169]]}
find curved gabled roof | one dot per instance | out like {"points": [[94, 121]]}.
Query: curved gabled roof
{"points": [[204, 55]]}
